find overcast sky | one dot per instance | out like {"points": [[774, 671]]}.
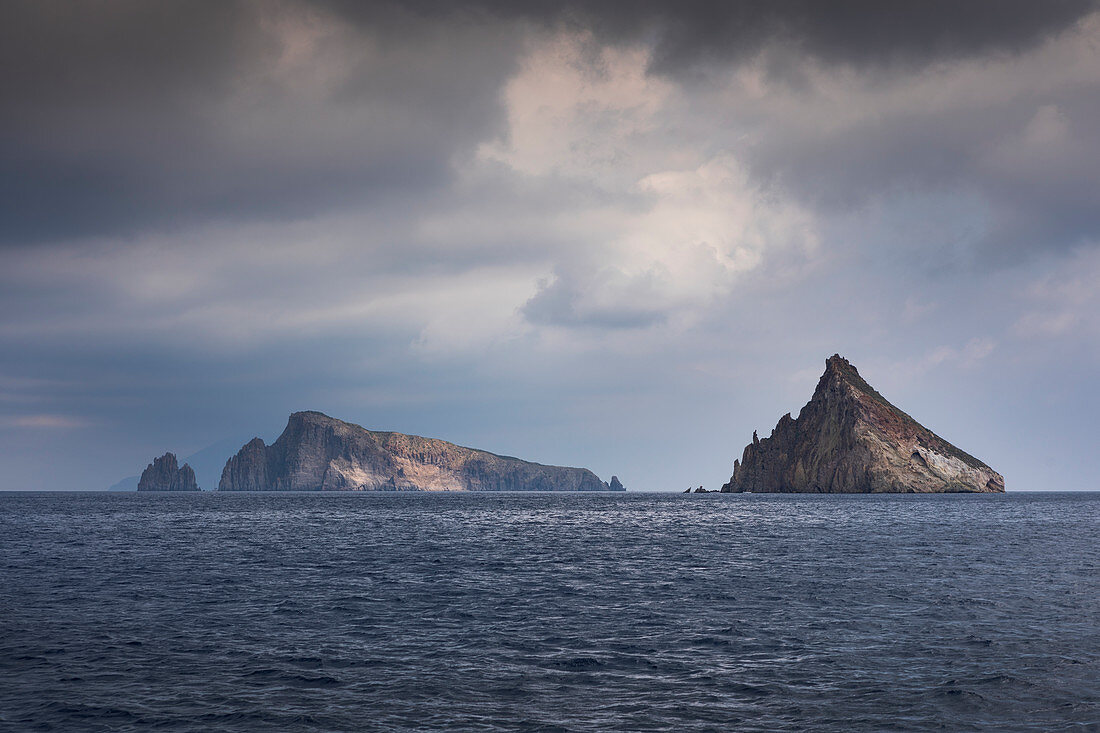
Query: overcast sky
{"points": [[577, 233]]}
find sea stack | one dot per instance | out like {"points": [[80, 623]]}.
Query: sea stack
{"points": [[163, 474], [849, 439], [320, 453]]}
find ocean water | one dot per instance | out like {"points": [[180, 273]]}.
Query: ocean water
{"points": [[549, 612]]}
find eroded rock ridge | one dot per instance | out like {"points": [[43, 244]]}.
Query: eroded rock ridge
{"points": [[164, 474], [319, 453], [849, 439]]}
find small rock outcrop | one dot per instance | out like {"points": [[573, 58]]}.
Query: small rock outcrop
{"points": [[320, 453], [849, 439], [164, 474], [615, 484]]}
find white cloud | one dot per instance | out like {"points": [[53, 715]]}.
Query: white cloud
{"points": [[581, 110], [217, 288], [675, 221]]}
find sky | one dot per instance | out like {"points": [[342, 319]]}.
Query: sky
{"points": [[614, 235]]}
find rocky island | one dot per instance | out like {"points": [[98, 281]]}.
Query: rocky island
{"points": [[849, 439], [163, 474], [320, 453]]}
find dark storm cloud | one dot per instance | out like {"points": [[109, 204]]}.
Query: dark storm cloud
{"points": [[95, 98], [1018, 137], [122, 115], [861, 32], [844, 31]]}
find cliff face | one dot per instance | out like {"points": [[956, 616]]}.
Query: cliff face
{"points": [[849, 439], [319, 453], [163, 474]]}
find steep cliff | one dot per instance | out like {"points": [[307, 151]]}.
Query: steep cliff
{"points": [[163, 474], [849, 439], [319, 453]]}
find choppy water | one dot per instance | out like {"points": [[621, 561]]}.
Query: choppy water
{"points": [[323, 612]]}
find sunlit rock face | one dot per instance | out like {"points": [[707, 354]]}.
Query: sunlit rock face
{"points": [[164, 474], [849, 439], [319, 453]]}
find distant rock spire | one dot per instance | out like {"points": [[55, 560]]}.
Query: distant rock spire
{"points": [[164, 474]]}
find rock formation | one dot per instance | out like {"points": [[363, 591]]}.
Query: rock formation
{"points": [[849, 439], [319, 453], [163, 474]]}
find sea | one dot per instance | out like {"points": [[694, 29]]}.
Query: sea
{"points": [[549, 612]]}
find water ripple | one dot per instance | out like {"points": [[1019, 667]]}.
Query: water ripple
{"points": [[545, 612]]}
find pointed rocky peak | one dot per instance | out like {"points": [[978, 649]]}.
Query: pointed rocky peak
{"points": [[254, 447], [837, 364], [849, 438], [248, 468], [839, 372], [187, 478], [167, 462], [841, 385]]}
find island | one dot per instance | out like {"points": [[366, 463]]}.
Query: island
{"points": [[320, 453], [849, 439], [164, 474]]}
